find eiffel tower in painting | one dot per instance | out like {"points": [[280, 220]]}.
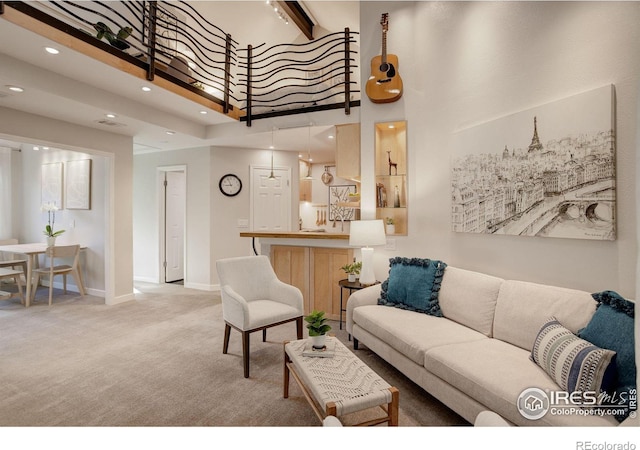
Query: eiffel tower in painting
{"points": [[535, 145]]}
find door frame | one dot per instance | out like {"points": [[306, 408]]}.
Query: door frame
{"points": [[162, 274]]}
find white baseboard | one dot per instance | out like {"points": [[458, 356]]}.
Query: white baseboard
{"points": [[121, 299], [202, 287], [146, 279]]}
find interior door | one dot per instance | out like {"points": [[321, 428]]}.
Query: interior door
{"points": [[270, 199], [175, 198]]}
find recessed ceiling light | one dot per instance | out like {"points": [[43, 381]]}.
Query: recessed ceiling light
{"points": [[170, 133], [111, 116], [330, 136], [392, 126], [203, 112], [36, 148], [51, 50], [45, 148], [146, 88], [15, 88]]}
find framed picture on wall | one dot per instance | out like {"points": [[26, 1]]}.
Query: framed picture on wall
{"points": [[337, 196], [78, 184], [51, 184]]}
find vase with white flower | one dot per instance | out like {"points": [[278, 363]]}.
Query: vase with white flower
{"points": [[51, 235]]}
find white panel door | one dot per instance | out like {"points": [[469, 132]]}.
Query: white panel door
{"points": [[175, 197], [270, 199]]}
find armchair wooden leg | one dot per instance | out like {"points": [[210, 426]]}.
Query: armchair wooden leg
{"points": [[227, 332], [299, 327], [264, 335], [245, 352]]}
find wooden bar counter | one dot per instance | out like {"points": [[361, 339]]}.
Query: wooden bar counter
{"points": [[310, 261]]}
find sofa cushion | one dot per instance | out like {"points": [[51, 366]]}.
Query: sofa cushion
{"points": [[413, 284], [573, 363], [611, 327], [494, 374], [523, 307], [411, 333], [469, 298]]}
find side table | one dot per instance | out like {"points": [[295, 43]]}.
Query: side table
{"points": [[351, 286]]}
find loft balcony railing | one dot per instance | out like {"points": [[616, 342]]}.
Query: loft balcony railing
{"points": [[173, 41]]}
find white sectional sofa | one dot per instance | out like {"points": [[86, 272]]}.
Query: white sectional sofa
{"points": [[477, 356]]}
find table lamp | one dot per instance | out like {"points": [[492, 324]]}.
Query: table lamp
{"points": [[364, 234]]}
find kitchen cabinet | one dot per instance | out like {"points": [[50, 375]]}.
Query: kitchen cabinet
{"points": [[316, 272], [348, 151]]}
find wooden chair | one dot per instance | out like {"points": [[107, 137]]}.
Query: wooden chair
{"points": [[17, 277], [59, 252], [12, 261], [254, 299]]}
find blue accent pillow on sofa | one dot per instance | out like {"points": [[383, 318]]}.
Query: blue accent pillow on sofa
{"points": [[413, 284], [612, 327]]}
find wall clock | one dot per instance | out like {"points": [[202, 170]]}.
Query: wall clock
{"points": [[230, 185]]}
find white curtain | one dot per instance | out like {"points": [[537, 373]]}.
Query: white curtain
{"points": [[6, 231]]}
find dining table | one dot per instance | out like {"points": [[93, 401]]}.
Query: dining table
{"points": [[31, 251]]}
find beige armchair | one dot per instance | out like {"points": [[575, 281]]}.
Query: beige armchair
{"points": [[253, 299]]}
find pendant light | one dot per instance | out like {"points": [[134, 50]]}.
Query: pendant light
{"points": [[272, 176], [309, 177]]}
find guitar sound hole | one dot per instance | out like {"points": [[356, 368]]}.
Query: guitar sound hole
{"points": [[388, 69]]}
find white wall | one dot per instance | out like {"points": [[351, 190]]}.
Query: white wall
{"points": [[147, 219], [212, 230], [89, 226], [468, 62]]}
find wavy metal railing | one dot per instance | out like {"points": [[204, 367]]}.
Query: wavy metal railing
{"points": [[290, 78], [174, 41]]}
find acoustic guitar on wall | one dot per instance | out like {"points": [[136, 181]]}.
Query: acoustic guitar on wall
{"points": [[384, 84]]}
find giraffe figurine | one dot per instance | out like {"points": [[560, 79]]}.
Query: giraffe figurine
{"points": [[392, 164]]}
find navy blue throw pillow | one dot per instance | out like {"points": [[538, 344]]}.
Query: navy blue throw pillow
{"points": [[413, 284], [612, 327]]}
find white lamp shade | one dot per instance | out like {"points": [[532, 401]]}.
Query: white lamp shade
{"points": [[365, 233]]}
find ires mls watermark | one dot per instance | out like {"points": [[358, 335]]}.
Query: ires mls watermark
{"points": [[535, 403]]}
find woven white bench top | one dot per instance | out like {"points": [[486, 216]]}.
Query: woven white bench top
{"points": [[343, 379]]}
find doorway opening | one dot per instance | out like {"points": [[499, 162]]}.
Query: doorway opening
{"points": [[173, 198]]}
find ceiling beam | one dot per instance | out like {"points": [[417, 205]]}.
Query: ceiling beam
{"points": [[296, 12]]}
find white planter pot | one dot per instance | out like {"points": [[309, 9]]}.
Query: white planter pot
{"points": [[351, 277], [318, 341], [51, 241], [391, 229]]}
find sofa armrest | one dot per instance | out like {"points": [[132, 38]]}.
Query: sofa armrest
{"points": [[366, 296]]}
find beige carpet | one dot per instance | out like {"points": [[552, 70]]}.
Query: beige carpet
{"points": [[157, 361]]}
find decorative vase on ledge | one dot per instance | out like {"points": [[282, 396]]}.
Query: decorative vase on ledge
{"points": [[51, 241]]}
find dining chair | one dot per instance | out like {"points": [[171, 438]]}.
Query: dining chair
{"points": [[16, 275], [254, 299], [12, 261], [53, 254]]}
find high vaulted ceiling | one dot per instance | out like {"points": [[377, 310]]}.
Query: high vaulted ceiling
{"points": [[71, 87]]}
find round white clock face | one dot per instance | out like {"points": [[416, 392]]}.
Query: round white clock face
{"points": [[230, 185]]}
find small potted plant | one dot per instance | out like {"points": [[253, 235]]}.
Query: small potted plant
{"points": [[389, 225], [352, 270], [118, 40], [318, 329]]}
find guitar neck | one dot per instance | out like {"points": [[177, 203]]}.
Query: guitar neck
{"points": [[384, 47]]}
